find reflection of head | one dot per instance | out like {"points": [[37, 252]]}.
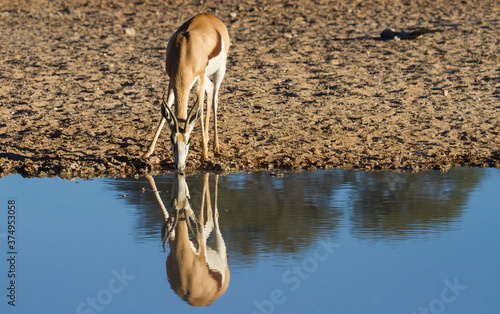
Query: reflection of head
{"points": [[197, 273]]}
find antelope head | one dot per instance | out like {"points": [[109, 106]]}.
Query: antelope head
{"points": [[180, 137]]}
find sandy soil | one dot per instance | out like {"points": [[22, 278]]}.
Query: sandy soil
{"points": [[309, 85]]}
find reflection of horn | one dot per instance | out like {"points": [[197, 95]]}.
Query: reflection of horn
{"points": [[199, 274]]}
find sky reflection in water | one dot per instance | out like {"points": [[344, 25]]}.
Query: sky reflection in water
{"points": [[325, 241]]}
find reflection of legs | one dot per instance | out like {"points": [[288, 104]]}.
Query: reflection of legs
{"points": [[219, 245], [157, 194], [207, 229], [168, 229], [200, 236]]}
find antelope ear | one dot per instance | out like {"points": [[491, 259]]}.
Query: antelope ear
{"points": [[194, 116]]}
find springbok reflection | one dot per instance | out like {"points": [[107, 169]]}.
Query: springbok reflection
{"points": [[199, 274]]}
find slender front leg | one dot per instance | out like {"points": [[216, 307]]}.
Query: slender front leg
{"points": [[153, 144], [218, 76], [209, 88], [201, 94], [216, 134], [170, 101]]}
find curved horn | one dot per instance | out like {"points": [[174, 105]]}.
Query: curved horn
{"points": [[194, 115], [169, 115]]}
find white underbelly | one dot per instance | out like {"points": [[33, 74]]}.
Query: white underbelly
{"points": [[216, 63]]}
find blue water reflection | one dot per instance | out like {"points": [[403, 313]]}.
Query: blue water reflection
{"points": [[322, 242]]}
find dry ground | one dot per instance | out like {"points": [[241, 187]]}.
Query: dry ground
{"points": [[309, 85]]}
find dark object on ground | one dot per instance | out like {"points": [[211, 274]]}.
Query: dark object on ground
{"points": [[414, 34]]}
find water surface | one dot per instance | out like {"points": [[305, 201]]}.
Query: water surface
{"points": [[321, 242]]}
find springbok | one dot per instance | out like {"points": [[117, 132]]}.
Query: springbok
{"points": [[196, 51], [197, 273]]}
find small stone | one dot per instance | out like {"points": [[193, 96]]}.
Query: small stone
{"points": [[130, 31]]}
